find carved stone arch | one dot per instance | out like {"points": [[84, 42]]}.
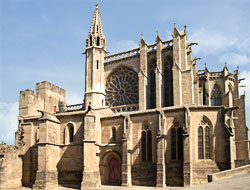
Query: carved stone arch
{"points": [[121, 66], [146, 125], [205, 119], [106, 156], [105, 162], [122, 87]]}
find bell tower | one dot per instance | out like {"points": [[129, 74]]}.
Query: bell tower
{"points": [[94, 66]]}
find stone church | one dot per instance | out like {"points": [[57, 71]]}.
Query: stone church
{"points": [[148, 118]]}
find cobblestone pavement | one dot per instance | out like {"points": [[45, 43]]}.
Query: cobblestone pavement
{"points": [[239, 182]]}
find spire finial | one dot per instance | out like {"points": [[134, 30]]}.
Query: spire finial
{"points": [[238, 67], [175, 24], [141, 35], [157, 31], [225, 64], [97, 4]]}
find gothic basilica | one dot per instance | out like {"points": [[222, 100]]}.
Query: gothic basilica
{"points": [[149, 118]]}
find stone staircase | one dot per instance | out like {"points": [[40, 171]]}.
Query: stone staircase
{"points": [[202, 169]]}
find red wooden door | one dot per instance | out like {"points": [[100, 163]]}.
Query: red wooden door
{"points": [[113, 172]]}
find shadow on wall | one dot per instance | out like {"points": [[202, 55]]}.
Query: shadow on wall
{"points": [[70, 165]]}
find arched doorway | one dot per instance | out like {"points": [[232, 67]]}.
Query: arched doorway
{"points": [[110, 168], [113, 172]]}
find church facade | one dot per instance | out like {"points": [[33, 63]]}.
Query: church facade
{"points": [[149, 118]]}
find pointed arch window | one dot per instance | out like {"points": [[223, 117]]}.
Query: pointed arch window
{"points": [[176, 142], [90, 40], [70, 132], [216, 99], [113, 134], [152, 87], [168, 79], [204, 141], [146, 144], [98, 41]]}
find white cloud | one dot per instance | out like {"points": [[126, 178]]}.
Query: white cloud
{"points": [[210, 42], [8, 121], [234, 59], [246, 82], [122, 45], [73, 98]]}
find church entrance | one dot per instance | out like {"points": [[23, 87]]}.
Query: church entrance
{"points": [[113, 172]]}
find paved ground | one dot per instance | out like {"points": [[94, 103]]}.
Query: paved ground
{"points": [[238, 182]]}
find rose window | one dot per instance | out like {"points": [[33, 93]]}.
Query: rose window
{"points": [[122, 87]]}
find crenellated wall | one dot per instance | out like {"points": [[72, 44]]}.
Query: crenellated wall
{"points": [[48, 97]]}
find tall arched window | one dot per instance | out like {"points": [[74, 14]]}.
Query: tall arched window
{"points": [[207, 142], [90, 40], [113, 134], [173, 144], [146, 144], [200, 143], [98, 41], [168, 78], [152, 93], [71, 133], [176, 142], [216, 99], [204, 144]]}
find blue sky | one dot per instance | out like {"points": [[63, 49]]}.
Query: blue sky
{"points": [[44, 40]]}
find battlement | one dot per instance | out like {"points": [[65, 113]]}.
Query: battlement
{"points": [[47, 97], [48, 86]]}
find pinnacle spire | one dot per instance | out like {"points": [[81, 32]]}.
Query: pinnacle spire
{"points": [[96, 36]]}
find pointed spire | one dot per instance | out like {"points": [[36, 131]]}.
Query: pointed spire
{"points": [[142, 42], [96, 36], [157, 37]]}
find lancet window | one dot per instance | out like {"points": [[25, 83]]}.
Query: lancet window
{"points": [[152, 86], [113, 134], [204, 142], [176, 142], [71, 132], [122, 87], [216, 99], [146, 144], [168, 78]]}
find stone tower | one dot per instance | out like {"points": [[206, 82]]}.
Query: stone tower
{"points": [[95, 53]]}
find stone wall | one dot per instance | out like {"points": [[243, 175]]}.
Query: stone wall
{"points": [[10, 168]]}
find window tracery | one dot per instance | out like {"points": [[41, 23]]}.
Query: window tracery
{"points": [[216, 96], [146, 144], [122, 87], [204, 142], [176, 142]]}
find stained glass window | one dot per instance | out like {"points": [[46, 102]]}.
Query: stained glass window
{"points": [[122, 87], [200, 143], [216, 96], [152, 85], [144, 144], [168, 78], [180, 143], [176, 142], [173, 144], [207, 143]]}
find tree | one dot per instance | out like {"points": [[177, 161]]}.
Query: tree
{"points": [[2, 143]]}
